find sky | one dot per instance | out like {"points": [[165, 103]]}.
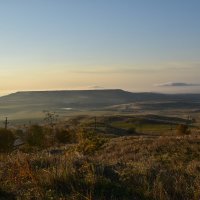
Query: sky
{"points": [[135, 45]]}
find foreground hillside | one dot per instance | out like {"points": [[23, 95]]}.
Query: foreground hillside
{"points": [[82, 162], [125, 168]]}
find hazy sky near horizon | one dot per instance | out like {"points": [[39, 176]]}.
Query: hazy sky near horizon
{"points": [[136, 45]]}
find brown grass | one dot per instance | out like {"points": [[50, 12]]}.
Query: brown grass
{"points": [[123, 168]]}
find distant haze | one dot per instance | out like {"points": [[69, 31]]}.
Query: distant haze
{"points": [[134, 45]]}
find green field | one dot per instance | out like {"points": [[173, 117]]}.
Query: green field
{"points": [[147, 128]]}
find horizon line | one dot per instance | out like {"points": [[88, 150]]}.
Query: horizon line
{"points": [[102, 89]]}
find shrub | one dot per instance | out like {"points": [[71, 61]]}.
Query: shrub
{"points": [[90, 142], [131, 131], [19, 133], [64, 136], [6, 140], [183, 129], [7, 195], [35, 136]]}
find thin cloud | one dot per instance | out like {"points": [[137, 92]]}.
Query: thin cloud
{"points": [[96, 87], [113, 71], [177, 84]]}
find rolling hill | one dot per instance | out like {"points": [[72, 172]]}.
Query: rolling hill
{"points": [[31, 103]]}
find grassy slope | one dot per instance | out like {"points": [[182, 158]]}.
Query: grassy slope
{"points": [[124, 168]]}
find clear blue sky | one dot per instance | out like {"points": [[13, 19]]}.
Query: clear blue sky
{"points": [[138, 45]]}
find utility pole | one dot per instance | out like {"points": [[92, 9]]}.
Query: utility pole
{"points": [[95, 124], [6, 123]]}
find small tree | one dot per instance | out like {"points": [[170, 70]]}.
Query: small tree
{"points": [[6, 140], [50, 118], [35, 136], [183, 129]]}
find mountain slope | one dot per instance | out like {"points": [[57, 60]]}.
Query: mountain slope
{"points": [[36, 101], [77, 98]]}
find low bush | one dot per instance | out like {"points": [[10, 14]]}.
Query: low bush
{"points": [[6, 140], [64, 136], [19, 133], [6, 195], [90, 142], [35, 136], [132, 131], [183, 129]]}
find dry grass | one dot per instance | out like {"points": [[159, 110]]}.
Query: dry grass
{"points": [[162, 168], [124, 168]]}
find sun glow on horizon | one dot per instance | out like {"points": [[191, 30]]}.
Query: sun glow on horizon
{"points": [[133, 46]]}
